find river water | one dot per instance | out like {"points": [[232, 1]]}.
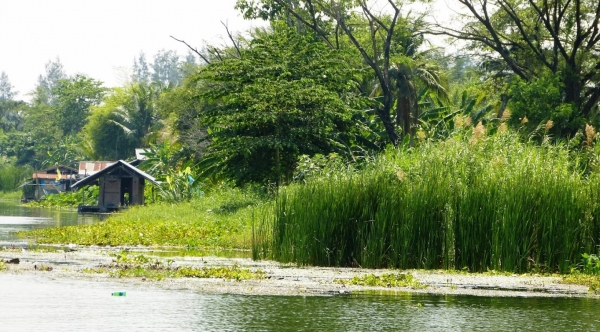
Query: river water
{"points": [[40, 303], [14, 218]]}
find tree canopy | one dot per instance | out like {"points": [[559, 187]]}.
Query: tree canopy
{"points": [[345, 78], [538, 39], [281, 96], [384, 41]]}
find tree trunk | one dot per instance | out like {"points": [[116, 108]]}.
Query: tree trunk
{"points": [[407, 108], [384, 114], [504, 101]]}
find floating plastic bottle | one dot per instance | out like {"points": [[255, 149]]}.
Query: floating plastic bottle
{"points": [[118, 294]]}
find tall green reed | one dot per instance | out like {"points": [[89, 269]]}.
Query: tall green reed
{"points": [[495, 203]]}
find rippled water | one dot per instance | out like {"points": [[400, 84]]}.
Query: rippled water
{"points": [[37, 303]]}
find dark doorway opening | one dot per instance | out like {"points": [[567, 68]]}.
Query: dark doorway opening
{"points": [[126, 191]]}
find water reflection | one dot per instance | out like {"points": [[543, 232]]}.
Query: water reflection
{"points": [[36, 302], [14, 218]]}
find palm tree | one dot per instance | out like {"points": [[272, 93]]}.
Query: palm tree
{"points": [[415, 69], [139, 118]]}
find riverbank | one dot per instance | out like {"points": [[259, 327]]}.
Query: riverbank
{"points": [[83, 263], [221, 218]]}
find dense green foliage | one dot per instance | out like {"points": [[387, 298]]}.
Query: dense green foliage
{"points": [[548, 105], [104, 137], [74, 97], [474, 201], [532, 41], [386, 43], [284, 96]]}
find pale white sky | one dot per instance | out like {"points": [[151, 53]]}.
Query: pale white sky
{"points": [[99, 38]]}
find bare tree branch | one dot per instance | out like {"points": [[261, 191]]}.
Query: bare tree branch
{"points": [[314, 26], [193, 49], [232, 39]]}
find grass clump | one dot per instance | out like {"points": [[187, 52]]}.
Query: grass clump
{"points": [[592, 281], [10, 195], [384, 280], [219, 219], [140, 266], [2, 266], [586, 273], [496, 203]]}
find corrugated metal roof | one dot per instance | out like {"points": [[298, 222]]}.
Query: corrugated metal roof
{"points": [[87, 168], [108, 169]]}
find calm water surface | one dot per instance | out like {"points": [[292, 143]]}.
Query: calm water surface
{"points": [[14, 218], [40, 303]]}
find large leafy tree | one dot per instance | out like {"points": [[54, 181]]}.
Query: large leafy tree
{"points": [[378, 38], [534, 39], [72, 102], [40, 123], [282, 96], [58, 111]]}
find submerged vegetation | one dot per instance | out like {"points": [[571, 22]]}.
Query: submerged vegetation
{"points": [[140, 266], [384, 280]]}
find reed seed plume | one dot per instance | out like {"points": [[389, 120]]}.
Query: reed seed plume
{"points": [[401, 175], [478, 133], [502, 128], [524, 120], [590, 134], [548, 126], [468, 121], [459, 122], [506, 115]]}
